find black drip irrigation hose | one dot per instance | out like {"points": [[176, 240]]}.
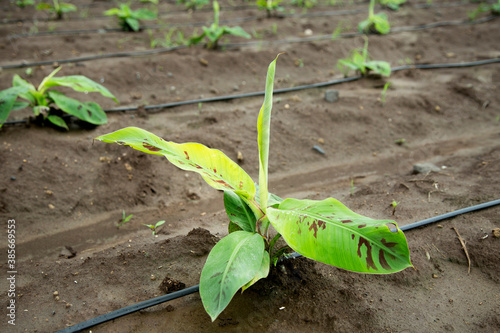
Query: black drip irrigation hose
{"points": [[238, 45], [450, 215], [283, 90], [191, 290], [307, 86]]}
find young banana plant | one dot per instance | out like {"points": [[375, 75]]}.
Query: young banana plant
{"points": [[325, 230]]}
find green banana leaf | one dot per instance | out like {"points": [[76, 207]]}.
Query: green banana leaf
{"points": [[233, 262], [329, 232]]}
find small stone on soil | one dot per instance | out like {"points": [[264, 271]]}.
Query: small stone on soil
{"points": [[318, 149], [496, 232], [67, 252], [425, 168], [331, 95]]}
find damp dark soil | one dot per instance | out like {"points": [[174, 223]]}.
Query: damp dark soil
{"points": [[67, 193]]}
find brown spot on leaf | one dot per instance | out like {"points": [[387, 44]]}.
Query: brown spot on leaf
{"points": [[322, 224], [382, 260], [315, 227], [220, 181], [150, 148], [369, 258], [187, 155], [361, 226], [352, 236], [215, 170], [346, 221], [388, 244]]}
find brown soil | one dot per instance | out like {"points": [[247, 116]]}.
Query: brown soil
{"points": [[64, 190]]}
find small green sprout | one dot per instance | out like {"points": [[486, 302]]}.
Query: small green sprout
{"points": [[42, 98], [57, 7], [394, 205], [360, 61], [154, 227], [485, 7], [168, 39], [128, 18], [306, 4], [375, 23], [400, 142], [406, 61], [342, 26], [392, 4], [215, 32], [124, 219], [270, 6], [383, 94], [193, 4], [24, 3]]}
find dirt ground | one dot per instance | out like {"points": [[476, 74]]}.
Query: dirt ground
{"points": [[65, 190]]}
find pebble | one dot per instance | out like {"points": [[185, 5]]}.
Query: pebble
{"points": [[12, 178], [318, 149], [240, 156], [332, 95], [51, 206], [425, 168]]}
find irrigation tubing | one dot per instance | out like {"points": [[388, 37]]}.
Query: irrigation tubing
{"points": [[307, 86], [283, 90], [191, 290], [296, 40]]}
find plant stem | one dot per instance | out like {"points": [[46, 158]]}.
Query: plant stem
{"points": [[371, 9], [216, 14], [273, 241]]}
